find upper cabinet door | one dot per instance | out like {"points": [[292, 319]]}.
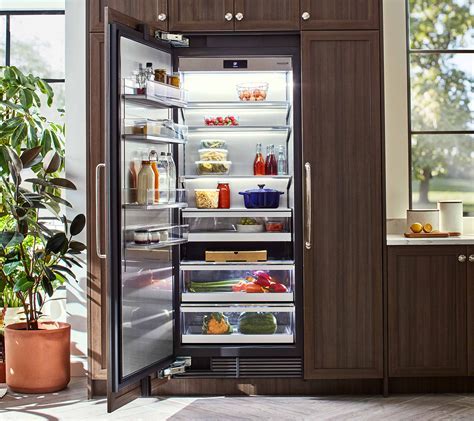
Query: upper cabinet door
{"points": [[150, 11], [267, 15], [201, 15], [340, 14], [344, 242]]}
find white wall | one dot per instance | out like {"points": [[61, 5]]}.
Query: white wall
{"points": [[76, 158]]}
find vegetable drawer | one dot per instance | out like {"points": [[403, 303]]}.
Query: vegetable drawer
{"points": [[237, 282], [237, 324]]}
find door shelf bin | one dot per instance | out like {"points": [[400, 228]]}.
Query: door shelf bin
{"points": [[163, 128], [155, 94], [154, 199], [199, 283], [168, 236], [259, 318]]}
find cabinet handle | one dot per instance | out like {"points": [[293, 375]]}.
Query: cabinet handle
{"points": [[305, 16], [162, 17], [97, 212], [462, 258], [239, 16], [308, 204], [471, 258], [228, 16]]}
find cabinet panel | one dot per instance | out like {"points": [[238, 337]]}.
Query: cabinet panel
{"points": [[96, 153], [340, 14], [342, 143], [268, 15], [426, 311], [201, 15], [470, 310], [143, 10]]}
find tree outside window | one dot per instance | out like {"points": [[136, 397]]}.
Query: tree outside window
{"points": [[441, 62]]}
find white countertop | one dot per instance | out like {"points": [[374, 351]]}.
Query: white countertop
{"points": [[400, 240]]}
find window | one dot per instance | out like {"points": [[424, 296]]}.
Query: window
{"points": [[32, 38], [441, 121]]}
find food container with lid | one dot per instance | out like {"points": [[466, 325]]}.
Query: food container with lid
{"points": [[252, 91], [213, 154], [213, 167], [207, 198], [261, 197], [213, 143], [451, 216], [423, 217]]}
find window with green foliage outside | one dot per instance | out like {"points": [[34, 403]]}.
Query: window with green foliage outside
{"points": [[441, 64]]}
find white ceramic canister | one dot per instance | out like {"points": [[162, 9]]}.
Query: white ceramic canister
{"points": [[423, 216], [450, 216]]}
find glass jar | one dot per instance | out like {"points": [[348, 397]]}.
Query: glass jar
{"points": [[160, 75], [224, 195], [146, 182], [174, 80]]}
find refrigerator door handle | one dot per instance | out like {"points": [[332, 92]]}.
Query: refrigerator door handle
{"points": [[308, 203], [97, 211]]}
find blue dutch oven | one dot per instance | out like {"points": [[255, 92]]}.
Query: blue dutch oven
{"points": [[261, 197]]}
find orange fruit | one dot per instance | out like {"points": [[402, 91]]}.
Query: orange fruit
{"points": [[427, 228], [416, 227]]}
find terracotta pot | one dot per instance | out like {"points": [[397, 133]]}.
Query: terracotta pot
{"points": [[38, 361]]}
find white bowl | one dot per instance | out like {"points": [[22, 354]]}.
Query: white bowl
{"points": [[250, 228]]}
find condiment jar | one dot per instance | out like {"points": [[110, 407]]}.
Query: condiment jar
{"points": [[155, 236], [160, 75], [224, 195], [141, 237]]}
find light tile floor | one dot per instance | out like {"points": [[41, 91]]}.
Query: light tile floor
{"points": [[71, 404]]}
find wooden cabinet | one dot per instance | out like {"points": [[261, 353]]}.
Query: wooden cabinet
{"points": [[96, 289], [267, 15], [470, 309], [201, 15], [427, 311], [155, 11], [340, 14], [342, 143]]}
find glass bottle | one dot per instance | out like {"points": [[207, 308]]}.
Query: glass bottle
{"points": [[154, 166], [224, 195], [259, 162], [163, 169], [281, 163], [132, 182], [149, 71], [171, 178], [270, 161], [146, 182]]}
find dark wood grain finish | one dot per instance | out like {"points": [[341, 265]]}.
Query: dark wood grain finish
{"points": [[200, 15], [342, 142], [470, 311], [341, 14], [427, 311], [143, 10], [96, 267], [268, 15]]}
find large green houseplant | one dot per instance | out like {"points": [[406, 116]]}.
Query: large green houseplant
{"points": [[37, 249]]}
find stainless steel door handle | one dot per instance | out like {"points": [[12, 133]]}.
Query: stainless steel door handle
{"points": [[97, 211], [308, 205], [471, 258]]}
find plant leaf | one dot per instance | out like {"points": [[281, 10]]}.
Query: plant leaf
{"points": [[77, 224], [64, 183], [65, 270], [28, 156], [77, 246], [47, 287], [57, 243], [23, 283], [52, 162], [14, 159], [9, 268]]}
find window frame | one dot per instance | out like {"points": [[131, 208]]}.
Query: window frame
{"points": [[411, 132], [8, 14]]}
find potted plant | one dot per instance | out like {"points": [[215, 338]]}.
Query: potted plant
{"points": [[35, 256]]}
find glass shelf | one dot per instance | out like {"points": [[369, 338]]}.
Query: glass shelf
{"points": [[155, 95], [153, 139], [235, 212], [162, 244], [238, 129], [235, 236], [257, 177], [240, 104]]}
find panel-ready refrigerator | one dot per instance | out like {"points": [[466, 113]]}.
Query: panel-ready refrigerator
{"points": [[199, 268]]}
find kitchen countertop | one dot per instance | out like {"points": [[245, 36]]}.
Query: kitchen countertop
{"points": [[400, 240]]}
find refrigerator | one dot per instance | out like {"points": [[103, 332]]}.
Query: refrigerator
{"points": [[195, 290]]}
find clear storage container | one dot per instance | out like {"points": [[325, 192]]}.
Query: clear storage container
{"points": [[213, 167], [207, 198], [237, 282], [213, 154], [213, 143], [237, 324], [163, 128]]}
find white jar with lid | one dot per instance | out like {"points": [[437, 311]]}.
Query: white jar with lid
{"points": [[450, 216], [423, 217]]}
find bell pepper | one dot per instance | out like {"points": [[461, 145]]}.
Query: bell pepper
{"points": [[276, 287]]}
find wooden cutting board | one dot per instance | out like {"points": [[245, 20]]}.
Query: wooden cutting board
{"points": [[437, 234]]}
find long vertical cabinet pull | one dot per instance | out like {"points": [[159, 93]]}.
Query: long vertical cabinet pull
{"points": [[97, 211], [308, 203]]}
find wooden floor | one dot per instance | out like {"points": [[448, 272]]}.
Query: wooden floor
{"points": [[72, 404]]}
